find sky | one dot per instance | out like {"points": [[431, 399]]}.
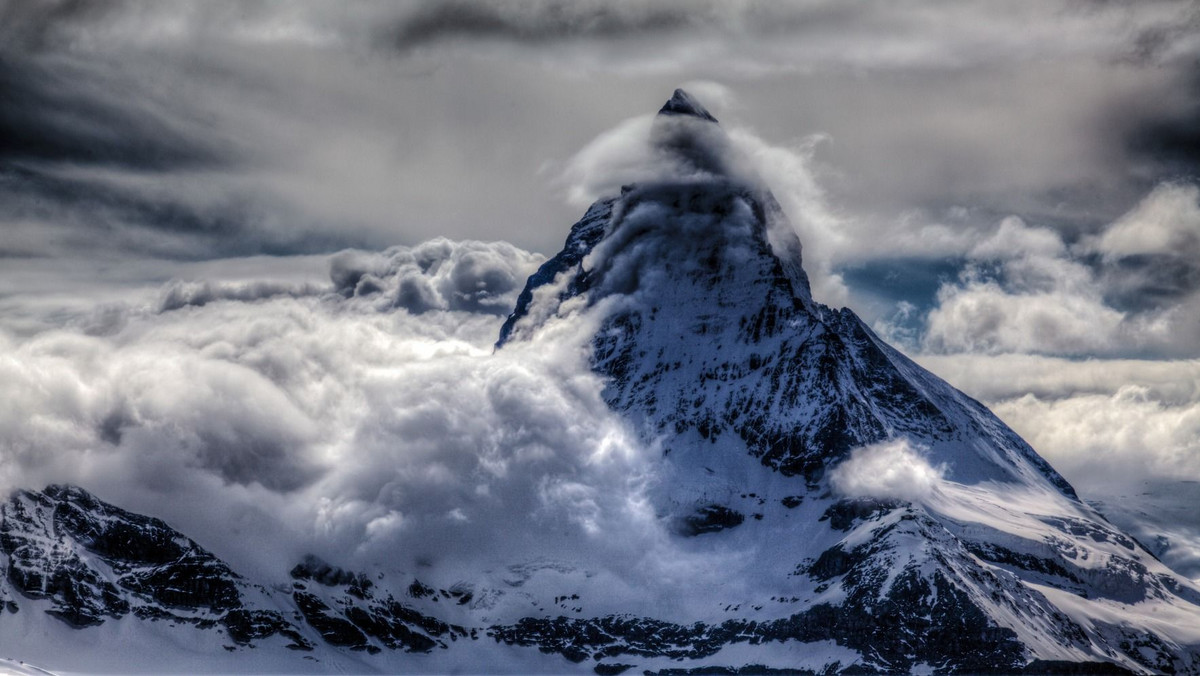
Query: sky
{"points": [[253, 256]]}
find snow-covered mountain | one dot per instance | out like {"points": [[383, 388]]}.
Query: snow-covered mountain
{"points": [[851, 511]]}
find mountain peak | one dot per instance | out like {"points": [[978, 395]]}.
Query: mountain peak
{"points": [[683, 103]]}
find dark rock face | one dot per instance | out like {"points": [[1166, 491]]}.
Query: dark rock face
{"points": [[246, 626], [903, 607], [683, 103], [346, 612], [312, 568], [584, 235], [898, 612], [965, 638], [65, 546], [710, 519], [147, 558]]}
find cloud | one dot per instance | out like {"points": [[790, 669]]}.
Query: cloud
{"points": [[179, 294], [1022, 292], [543, 22], [1096, 438], [1127, 290], [889, 470], [788, 171], [150, 139], [1150, 257], [235, 139], [1167, 221], [437, 275], [644, 149], [1122, 431], [76, 113], [344, 426], [995, 378]]}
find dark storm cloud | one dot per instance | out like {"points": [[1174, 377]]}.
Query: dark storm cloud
{"points": [[1162, 41], [242, 99], [1165, 140], [66, 111], [38, 24], [106, 214], [1144, 282], [78, 138]]}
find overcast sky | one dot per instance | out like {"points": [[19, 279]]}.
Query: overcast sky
{"points": [[1007, 191]]}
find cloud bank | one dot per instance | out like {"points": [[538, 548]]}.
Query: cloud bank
{"points": [[893, 470], [374, 434], [1130, 289]]}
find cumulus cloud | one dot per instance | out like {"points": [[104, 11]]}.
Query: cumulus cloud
{"points": [[268, 425], [178, 294], [437, 275], [1101, 422], [1167, 221], [1122, 431], [890, 470], [1129, 290], [1022, 292], [994, 378]]}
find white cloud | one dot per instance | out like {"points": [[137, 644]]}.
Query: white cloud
{"points": [[984, 316], [1167, 221], [1037, 300], [1103, 439], [788, 171], [889, 470], [1122, 431], [616, 157], [271, 425], [1014, 240], [1025, 291], [436, 275]]}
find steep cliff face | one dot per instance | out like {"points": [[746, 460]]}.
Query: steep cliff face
{"points": [[852, 512]]}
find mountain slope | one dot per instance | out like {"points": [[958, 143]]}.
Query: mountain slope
{"points": [[712, 344]]}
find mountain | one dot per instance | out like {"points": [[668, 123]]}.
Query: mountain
{"points": [[855, 513]]}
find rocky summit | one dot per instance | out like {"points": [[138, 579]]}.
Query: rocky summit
{"points": [[767, 409]]}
